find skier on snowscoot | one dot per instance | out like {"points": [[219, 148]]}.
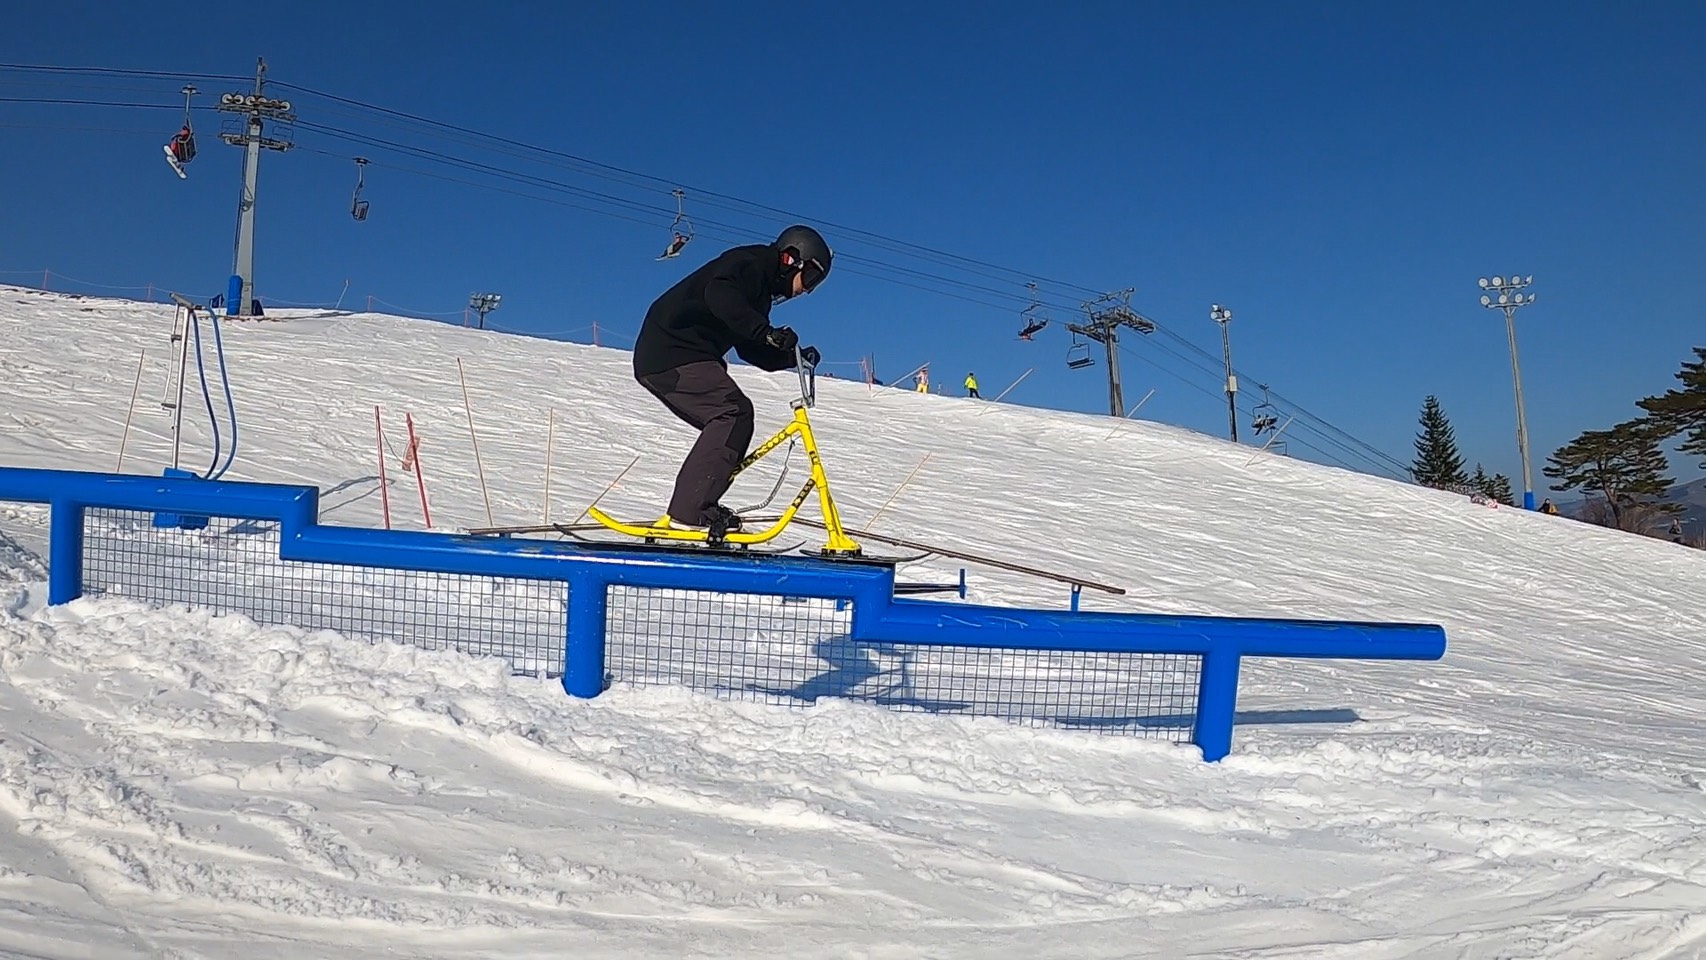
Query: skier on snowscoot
{"points": [[679, 358]]}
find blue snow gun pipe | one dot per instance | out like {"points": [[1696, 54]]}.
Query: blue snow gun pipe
{"points": [[215, 469], [230, 401], [192, 334]]}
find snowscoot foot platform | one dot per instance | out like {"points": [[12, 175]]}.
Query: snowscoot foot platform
{"points": [[718, 547], [663, 530]]}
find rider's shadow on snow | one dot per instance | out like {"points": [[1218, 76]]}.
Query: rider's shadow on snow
{"points": [[878, 673], [326, 508], [882, 673], [266, 526]]}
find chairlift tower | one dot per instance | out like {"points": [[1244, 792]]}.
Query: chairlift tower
{"points": [[256, 108], [1223, 316], [1104, 317]]}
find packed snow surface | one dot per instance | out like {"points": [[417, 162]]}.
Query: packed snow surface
{"points": [[179, 784]]}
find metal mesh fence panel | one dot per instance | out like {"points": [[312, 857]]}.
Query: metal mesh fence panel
{"points": [[794, 651], [232, 566], [776, 649]]}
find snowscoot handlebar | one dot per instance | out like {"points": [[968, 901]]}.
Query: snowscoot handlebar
{"points": [[808, 380]]}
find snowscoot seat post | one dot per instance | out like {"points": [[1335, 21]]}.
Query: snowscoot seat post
{"points": [[838, 544], [808, 381]]}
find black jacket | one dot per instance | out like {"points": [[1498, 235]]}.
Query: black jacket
{"points": [[723, 304]]}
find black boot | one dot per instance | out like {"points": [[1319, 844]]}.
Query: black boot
{"points": [[723, 523]]}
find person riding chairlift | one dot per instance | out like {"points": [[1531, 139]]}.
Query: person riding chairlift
{"points": [[677, 240], [183, 145]]}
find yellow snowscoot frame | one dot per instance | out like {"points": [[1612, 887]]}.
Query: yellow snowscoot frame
{"points": [[838, 545]]}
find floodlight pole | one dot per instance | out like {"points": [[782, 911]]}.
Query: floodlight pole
{"points": [[1505, 294], [1223, 316], [257, 106], [484, 303]]}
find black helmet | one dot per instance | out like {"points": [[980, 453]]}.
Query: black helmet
{"points": [[811, 255]]}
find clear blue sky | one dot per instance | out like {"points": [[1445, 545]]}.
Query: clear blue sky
{"points": [[1338, 174]]}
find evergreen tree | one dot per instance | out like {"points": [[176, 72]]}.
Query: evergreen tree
{"points": [[1437, 464], [1624, 465], [1480, 483], [1683, 411], [1501, 490]]}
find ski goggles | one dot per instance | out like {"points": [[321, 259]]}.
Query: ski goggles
{"points": [[812, 273]]}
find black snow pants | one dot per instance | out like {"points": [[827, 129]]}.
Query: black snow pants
{"points": [[706, 398]]}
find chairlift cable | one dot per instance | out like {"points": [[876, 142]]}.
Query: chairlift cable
{"points": [[661, 187], [876, 238]]}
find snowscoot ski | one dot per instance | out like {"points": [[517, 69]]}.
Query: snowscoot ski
{"points": [[839, 545]]}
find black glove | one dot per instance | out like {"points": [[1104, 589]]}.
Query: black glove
{"points": [[783, 339], [810, 356]]}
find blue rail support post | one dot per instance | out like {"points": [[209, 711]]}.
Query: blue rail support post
{"points": [[65, 552], [583, 658], [1217, 703]]}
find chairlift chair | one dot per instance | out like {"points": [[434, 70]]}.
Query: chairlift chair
{"points": [[681, 230], [1263, 417], [1032, 316], [358, 206], [181, 148], [1078, 356]]}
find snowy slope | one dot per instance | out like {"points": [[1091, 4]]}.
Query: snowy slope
{"points": [[178, 785]]}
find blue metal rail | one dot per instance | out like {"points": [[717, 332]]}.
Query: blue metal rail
{"points": [[589, 571]]}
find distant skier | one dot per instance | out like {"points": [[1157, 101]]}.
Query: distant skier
{"points": [[1548, 507], [971, 386], [679, 358], [1675, 531]]}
